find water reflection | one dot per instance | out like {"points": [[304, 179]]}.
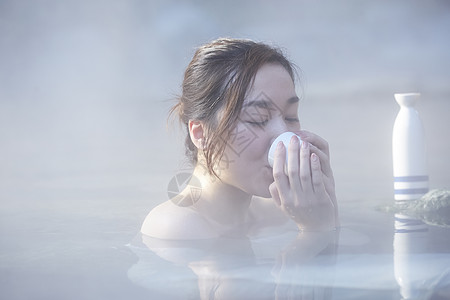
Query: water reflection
{"points": [[410, 238], [420, 273], [372, 261], [291, 266]]}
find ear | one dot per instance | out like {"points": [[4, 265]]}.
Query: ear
{"points": [[196, 132]]}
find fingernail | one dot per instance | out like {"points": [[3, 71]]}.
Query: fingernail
{"points": [[314, 157], [305, 144], [280, 145], [294, 140]]}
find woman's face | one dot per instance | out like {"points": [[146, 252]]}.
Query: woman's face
{"points": [[270, 108]]}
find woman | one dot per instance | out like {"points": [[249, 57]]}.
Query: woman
{"points": [[237, 97]]}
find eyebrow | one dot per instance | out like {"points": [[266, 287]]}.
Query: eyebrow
{"points": [[258, 103], [266, 103]]}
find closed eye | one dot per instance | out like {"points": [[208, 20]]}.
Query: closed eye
{"points": [[293, 120], [261, 123]]}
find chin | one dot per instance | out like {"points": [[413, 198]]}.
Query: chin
{"points": [[263, 192]]}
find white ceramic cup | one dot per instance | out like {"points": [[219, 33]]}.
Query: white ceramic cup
{"points": [[285, 137]]}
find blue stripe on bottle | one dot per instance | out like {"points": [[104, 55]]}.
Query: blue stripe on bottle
{"points": [[410, 178], [409, 222], [411, 230], [410, 191]]}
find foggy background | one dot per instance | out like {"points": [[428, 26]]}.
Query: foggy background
{"points": [[85, 87]]}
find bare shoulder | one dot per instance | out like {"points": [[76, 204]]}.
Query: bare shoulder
{"points": [[169, 221]]}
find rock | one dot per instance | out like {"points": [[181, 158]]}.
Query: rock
{"points": [[433, 208]]}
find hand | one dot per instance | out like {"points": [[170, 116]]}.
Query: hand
{"points": [[307, 192]]}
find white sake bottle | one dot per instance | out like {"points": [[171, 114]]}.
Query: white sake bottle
{"points": [[408, 149]]}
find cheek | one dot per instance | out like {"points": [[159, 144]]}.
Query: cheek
{"points": [[249, 145], [258, 149], [239, 139]]}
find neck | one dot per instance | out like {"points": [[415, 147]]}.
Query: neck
{"points": [[224, 205]]}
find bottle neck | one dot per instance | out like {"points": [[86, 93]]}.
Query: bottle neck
{"points": [[407, 100]]}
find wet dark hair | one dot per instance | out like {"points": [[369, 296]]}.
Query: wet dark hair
{"points": [[217, 80]]}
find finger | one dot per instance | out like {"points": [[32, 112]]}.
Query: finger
{"points": [[325, 194], [293, 165], [325, 160], [280, 178], [305, 166], [317, 178], [330, 190], [328, 177], [320, 147], [314, 139], [274, 193]]}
